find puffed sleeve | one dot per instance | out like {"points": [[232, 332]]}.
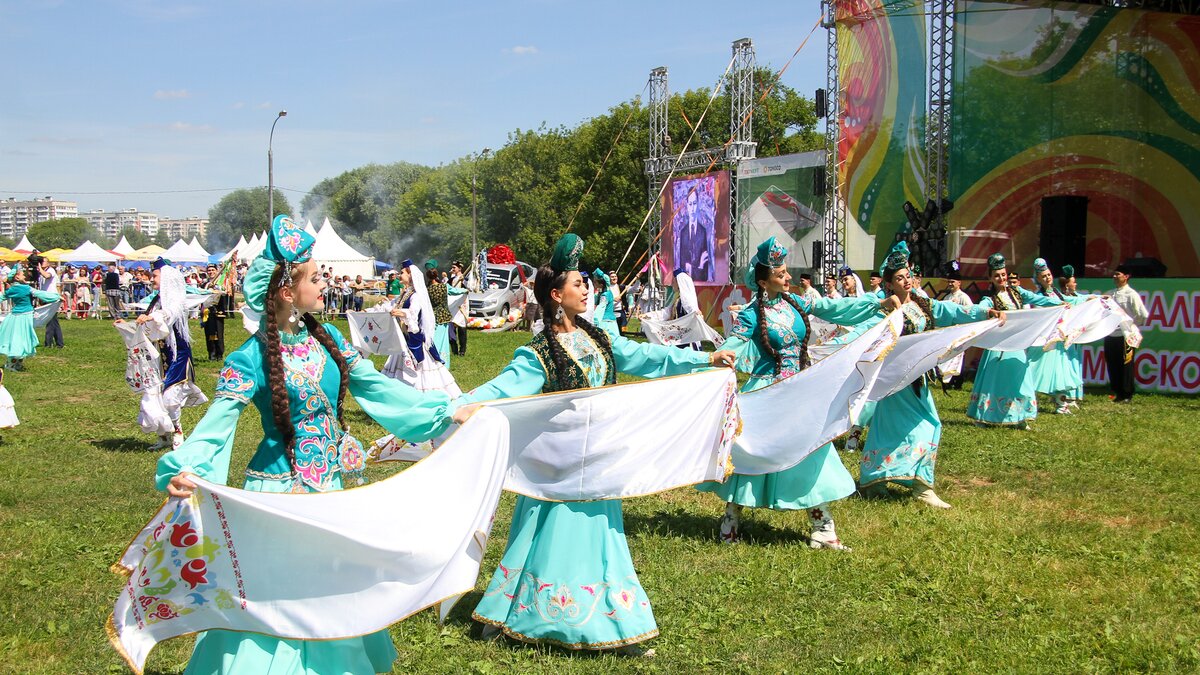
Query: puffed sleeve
{"points": [[985, 302], [741, 340], [207, 450], [523, 376], [647, 360], [952, 313], [1037, 300], [843, 311], [409, 414], [45, 296]]}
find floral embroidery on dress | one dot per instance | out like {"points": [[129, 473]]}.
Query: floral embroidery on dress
{"points": [[559, 603], [232, 383]]}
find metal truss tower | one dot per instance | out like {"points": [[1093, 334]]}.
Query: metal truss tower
{"points": [[660, 146], [661, 161], [835, 201], [930, 251]]}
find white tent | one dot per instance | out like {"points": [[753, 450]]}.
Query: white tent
{"points": [[238, 248], [253, 247], [123, 248], [180, 252], [25, 246], [331, 250], [310, 229], [89, 252], [194, 244]]}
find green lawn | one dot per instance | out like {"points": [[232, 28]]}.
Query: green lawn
{"points": [[1070, 548]]}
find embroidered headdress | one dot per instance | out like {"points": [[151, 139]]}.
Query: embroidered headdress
{"points": [[954, 270], [770, 254], [1068, 271], [565, 257], [996, 261], [287, 244], [896, 259], [159, 263], [1039, 265], [431, 264]]}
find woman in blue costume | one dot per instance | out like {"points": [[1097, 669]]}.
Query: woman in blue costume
{"points": [[1067, 287], [1003, 394], [166, 320], [566, 577], [606, 303], [425, 367], [1052, 371], [18, 339], [296, 372], [776, 341], [906, 430]]}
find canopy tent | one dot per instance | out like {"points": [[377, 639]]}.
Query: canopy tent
{"points": [[332, 251], [123, 248], [308, 227], [253, 247], [24, 246], [9, 255], [146, 253], [55, 255], [238, 248], [88, 252], [180, 252], [194, 244]]}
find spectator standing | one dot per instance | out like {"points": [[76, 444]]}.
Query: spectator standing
{"points": [[1118, 354], [112, 291], [47, 280]]}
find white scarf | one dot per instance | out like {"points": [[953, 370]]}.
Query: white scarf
{"points": [[618, 441], [684, 330], [363, 568], [376, 333]]}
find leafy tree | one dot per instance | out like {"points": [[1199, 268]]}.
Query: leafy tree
{"points": [[163, 240], [242, 212], [7, 242], [62, 233]]}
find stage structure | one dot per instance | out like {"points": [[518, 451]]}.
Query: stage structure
{"points": [[1035, 128], [662, 161]]}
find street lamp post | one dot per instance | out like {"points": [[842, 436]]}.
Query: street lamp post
{"points": [[271, 171], [475, 214]]}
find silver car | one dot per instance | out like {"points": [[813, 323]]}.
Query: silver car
{"points": [[502, 290]]}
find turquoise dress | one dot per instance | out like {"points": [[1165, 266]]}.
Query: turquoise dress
{"points": [[607, 320], [820, 477], [566, 577], [906, 430], [325, 458], [1052, 371], [1004, 394], [18, 339]]}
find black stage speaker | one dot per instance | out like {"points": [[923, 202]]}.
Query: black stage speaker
{"points": [[818, 186], [819, 103], [818, 257], [1063, 233]]}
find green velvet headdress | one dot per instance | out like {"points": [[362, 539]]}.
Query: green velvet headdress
{"points": [[896, 259], [996, 261], [1039, 265], [565, 257], [431, 264], [1068, 271]]}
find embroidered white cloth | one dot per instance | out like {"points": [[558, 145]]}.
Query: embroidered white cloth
{"points": [[918, 353], [213, 561], [143, 374], [786, 421], [41, 314], [684, 330], [1094, 319], [1022, 329], [622, 440], [375, 333]]}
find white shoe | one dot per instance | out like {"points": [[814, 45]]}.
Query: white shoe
{"points": [[730, 525], [1063, 409], [164, 441], [176, 439], [829, 540], [926, 495]]}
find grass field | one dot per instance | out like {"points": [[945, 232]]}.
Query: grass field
{"points": [[1070, 548]]}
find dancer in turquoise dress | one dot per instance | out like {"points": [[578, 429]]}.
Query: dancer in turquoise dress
{"points": [[1067, 287], [566, 577], [296, 372], [906, 430], [772, 332], [18, 339], [1052, 371], [1003, 394], [606, 303]]}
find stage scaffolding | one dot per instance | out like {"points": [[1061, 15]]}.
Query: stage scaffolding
{"points": [[661, 161]]}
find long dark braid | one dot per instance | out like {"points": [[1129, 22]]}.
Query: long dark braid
{"points": [[318, 331], [280, 403]]}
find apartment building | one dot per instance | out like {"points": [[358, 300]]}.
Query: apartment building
{"points": [[17, 215], [184, 228]]}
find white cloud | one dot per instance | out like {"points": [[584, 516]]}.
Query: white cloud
{"points": [[239, 105], [167, 94], [522, 50], [263, 106]]}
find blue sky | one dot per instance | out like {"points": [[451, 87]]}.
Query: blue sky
{"points": [[136, 96]]}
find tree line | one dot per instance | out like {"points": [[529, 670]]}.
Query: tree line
{"points": [[526, 191]]}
